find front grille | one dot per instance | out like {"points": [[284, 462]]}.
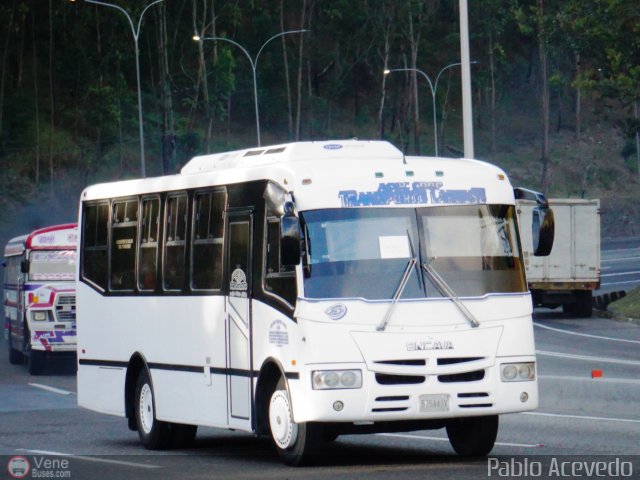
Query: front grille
{"points": [[393, 409], [462, 377], [456, 360], [66, 308], [408, 362], [386, 379], [67, 300]]}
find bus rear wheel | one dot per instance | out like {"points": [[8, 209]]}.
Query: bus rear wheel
{"points": [[154, 434], [473, 436], [295, 442]]}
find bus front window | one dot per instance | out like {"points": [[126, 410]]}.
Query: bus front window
{"points": [[363, 252], [360, 253], [52, 265]]}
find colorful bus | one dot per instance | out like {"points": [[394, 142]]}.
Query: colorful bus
{"points": [[39, 295], [304, 291]]}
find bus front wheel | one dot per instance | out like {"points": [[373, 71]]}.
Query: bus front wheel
{"points": [[16, 357], [154, 434], [295, 442], [473, 436]]}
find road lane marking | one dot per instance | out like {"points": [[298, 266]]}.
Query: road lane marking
{"points": [[51, 389], [620, 274], [619, 283], [600, 337], [589, 358], [440, 439], [564, 378], [582, 417], [88, 459]]}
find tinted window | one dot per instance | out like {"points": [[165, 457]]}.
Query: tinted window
{"points": [[94, 244], [175, 233], [208, 234], [124, 228], [148, 261], [278, 279]]}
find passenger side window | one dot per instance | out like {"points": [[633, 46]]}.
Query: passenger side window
{"points": [[94, 244], [208, 235], [279, 280], [124, 228], [175, 233], [148, 262]]}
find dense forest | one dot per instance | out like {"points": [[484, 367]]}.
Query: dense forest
{"points": [[556, 88]]}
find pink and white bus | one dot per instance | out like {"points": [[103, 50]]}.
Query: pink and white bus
{"points": [[40, 295]]}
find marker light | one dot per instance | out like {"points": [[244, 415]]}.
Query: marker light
{"points": [[336, 379], [518, 372]]}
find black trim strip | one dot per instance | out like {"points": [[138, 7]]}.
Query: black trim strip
{"points": [[176, 368], [235, 372], [103, 363]]}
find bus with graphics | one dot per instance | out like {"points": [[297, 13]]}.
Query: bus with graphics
{"points": [[308, 290], [39, 295]]}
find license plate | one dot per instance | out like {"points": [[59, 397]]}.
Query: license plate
{"points": [[434, 403]]}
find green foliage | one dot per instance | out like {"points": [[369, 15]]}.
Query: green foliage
{"points": [[80, 78]]}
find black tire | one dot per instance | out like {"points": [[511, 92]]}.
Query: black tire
{"points": [[154, 434], [473, 436], [583, 307], [37, 362], [183, 436], [295, 442], [16, 357]]}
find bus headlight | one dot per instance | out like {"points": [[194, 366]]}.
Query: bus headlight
{"points": [[39, 316], [336, 379], [518, 372]]}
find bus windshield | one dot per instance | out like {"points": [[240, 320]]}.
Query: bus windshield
{"points": [[364, 252], [52, 265]]}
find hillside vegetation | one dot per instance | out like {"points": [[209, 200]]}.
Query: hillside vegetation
{"points": [[556, 87]]}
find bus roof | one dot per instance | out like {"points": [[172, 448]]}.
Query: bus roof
{"points": [[334, 173], [54, 237]]}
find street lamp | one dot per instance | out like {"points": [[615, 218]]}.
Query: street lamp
{"points": [[433, 86], [254, 65], [136, 35]]}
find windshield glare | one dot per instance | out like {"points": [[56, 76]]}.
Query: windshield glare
{"points": [[363, 252], [52, 265]]}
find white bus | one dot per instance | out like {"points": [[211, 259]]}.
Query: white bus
{"points": [[39, 295], [304, 291]]}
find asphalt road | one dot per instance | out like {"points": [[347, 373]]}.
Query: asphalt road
{"points": [[620, 265], [579, 420]]}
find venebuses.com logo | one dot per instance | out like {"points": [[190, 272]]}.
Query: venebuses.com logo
{"points": [[18, 467]]}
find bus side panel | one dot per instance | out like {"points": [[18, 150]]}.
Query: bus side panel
{"points": [[101, 389]]}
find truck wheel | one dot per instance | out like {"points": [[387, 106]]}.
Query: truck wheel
{"points": [[295, 442], [583, 307], [154, 434], [473, 436]]}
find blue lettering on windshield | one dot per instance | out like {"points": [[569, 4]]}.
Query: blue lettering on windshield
{"points": [[402, 193]]}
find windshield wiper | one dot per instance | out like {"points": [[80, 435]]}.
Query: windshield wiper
{"points": [[446, 291], [396, 296]]}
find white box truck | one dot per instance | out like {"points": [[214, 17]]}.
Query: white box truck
{"points": [[568, 276]]}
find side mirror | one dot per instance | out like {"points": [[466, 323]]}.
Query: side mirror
{"points": [[542, 231], [24, 266], [289, 240], [542, 222]]}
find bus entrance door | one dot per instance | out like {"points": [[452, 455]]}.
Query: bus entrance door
{"points": [[238, 307]]}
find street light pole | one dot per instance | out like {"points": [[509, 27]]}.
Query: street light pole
{"points": [[254, 66], [136, 34], [433, 86]]}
